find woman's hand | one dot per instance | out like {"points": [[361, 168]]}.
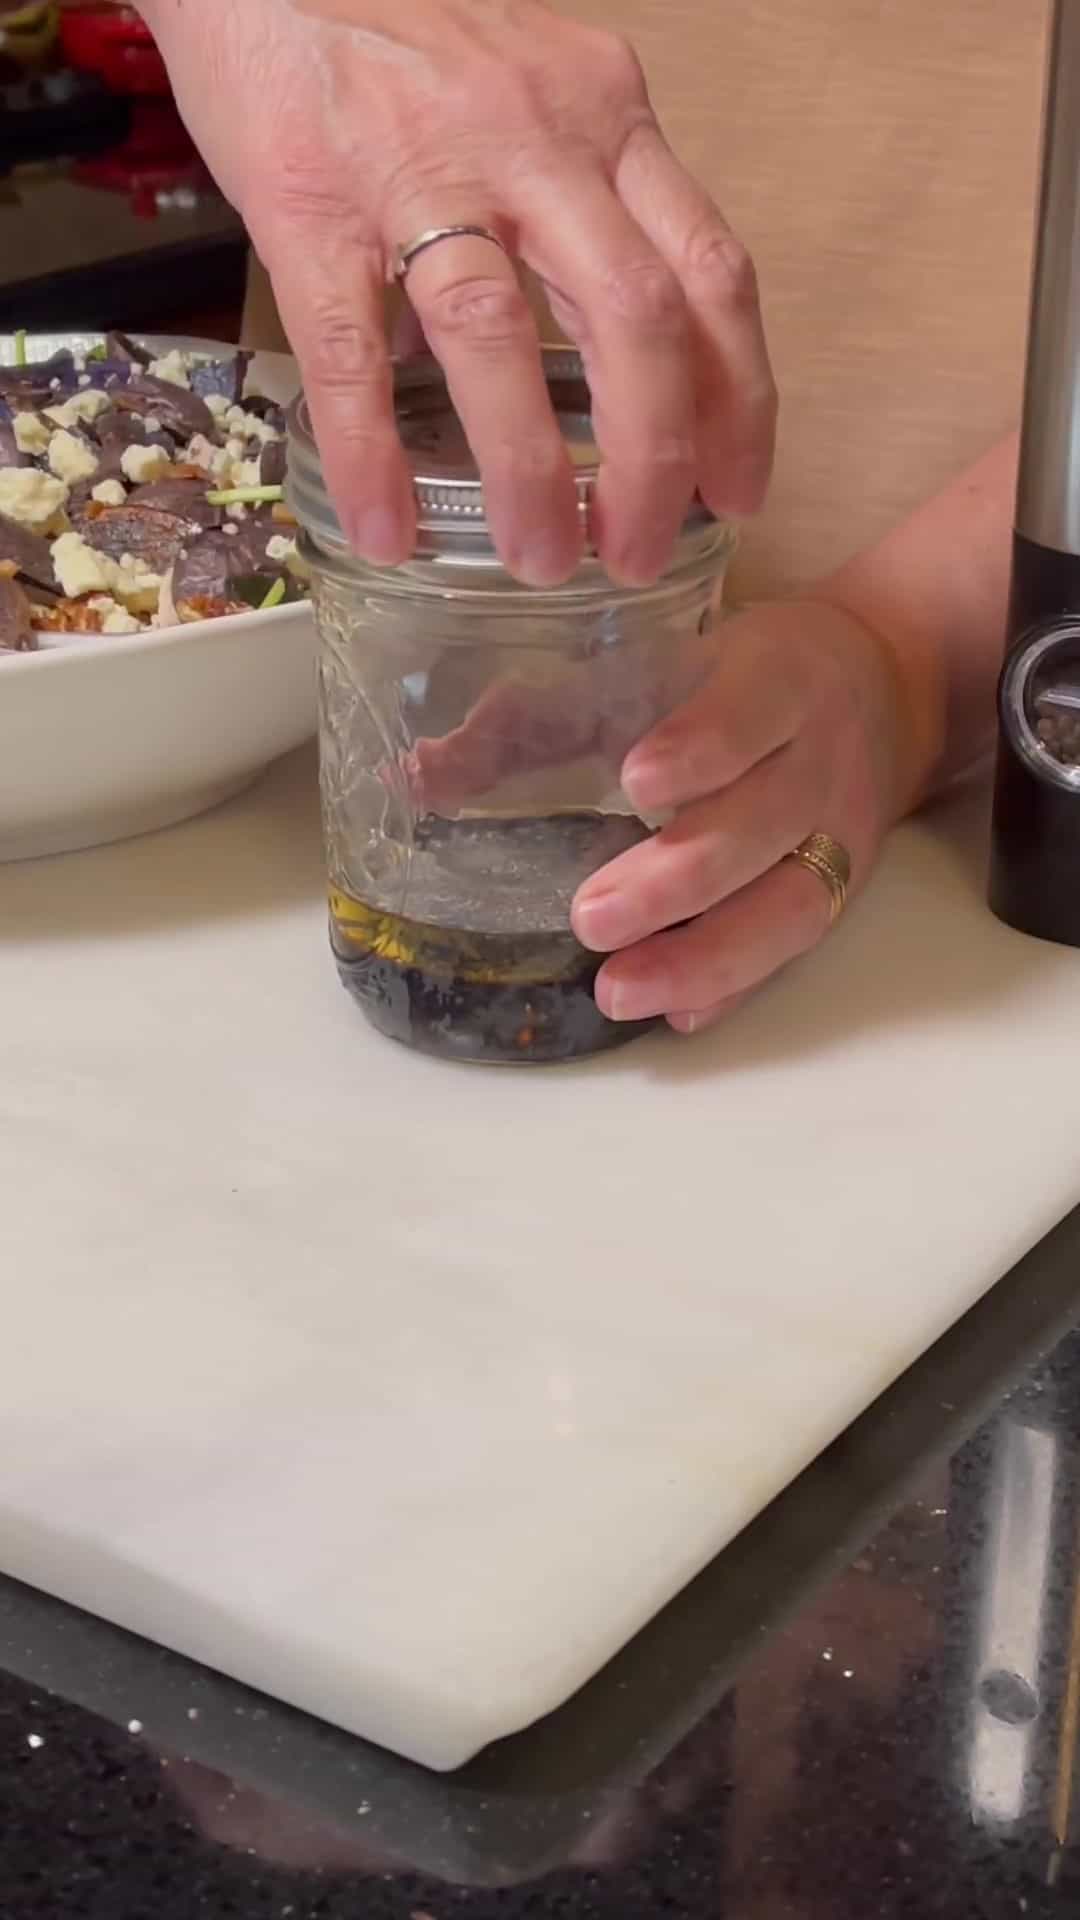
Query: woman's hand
{"points": [[802, 725], [802, 728], [838, 715], [343, 129], [835, 714]]}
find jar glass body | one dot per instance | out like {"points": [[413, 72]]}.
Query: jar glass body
{"points": [[471, 739]]}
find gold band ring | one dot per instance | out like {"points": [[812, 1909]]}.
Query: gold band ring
{"points": [[433, 237], [823, 855]]}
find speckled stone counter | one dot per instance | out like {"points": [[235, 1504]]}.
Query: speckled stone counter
{"points": [[868, 1706]]}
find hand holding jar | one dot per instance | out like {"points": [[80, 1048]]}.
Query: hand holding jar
{"points": [[445, 140], [830, 715]]}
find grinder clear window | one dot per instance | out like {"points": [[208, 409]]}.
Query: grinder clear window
{"points": [[1041, 702]]}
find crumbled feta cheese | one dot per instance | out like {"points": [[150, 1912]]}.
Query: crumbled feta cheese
{"points": [[121, 622], [139, 588], [110, 493], [230, 527], [115, 618], [85, 380], [139, 568], [246, 473], [248, 426], [278, 548], [201, 452], [236, 448], [142, 464], [71, 459], [80, 408], [218, 405], [80, 569], [80, 362], [32, 435], [166, 615], [30, 496], [152, 423], [174, 366]]}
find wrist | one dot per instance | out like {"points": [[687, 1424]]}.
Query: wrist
{"points": [[907, 685]]}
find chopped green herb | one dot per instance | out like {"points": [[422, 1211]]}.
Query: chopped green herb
{"points": [[274, 598], [20, 347], [98, 353], [246, 496]]}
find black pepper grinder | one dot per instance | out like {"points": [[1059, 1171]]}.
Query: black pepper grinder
{"points": [[1035, 857]]}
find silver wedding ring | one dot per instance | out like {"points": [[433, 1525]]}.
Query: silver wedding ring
{"points": [[433, 237]]}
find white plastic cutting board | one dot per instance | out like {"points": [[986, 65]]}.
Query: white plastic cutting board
{"points": [[409, 1392]]}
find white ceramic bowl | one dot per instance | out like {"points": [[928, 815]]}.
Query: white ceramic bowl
{"points": [[102, 737]]}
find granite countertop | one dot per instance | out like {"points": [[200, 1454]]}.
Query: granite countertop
{"points": [[868, 1706]]}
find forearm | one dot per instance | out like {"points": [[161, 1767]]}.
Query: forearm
{"points": [[934, 593]]}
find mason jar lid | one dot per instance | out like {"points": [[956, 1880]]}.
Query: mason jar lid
{"points": [[451, 522]]}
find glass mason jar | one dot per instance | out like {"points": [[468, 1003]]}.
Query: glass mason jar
{"points": [[472, 733]]}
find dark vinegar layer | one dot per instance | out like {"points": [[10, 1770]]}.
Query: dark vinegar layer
{"points": [[514, 986]]}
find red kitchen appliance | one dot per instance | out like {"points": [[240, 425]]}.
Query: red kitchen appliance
{"points": [[157, 164], [115, 43]]}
